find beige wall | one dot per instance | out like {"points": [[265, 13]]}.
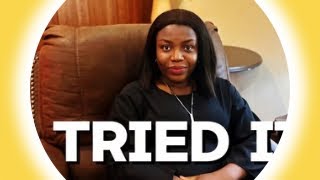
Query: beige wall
{"points": [[242, 23]]}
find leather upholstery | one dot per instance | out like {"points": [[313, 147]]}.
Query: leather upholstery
{"points": [[78, 73]]}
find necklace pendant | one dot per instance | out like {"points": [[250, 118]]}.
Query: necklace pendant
{"points": [[191, 117]]}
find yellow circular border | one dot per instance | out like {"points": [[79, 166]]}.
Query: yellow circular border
{"points": [[22, 155], [296, 25]]}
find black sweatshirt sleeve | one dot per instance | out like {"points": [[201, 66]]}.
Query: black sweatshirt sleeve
{"points": [[242, 138]]}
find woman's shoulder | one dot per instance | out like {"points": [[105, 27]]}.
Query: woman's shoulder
{"points": [[223, 84], [227, 91], [224, 88]]}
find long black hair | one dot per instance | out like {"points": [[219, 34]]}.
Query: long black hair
{"points": [[204, 73]]}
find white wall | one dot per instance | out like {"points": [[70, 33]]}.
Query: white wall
{"points": [[242, 23]]}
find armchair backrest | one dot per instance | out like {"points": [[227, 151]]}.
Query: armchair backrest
{"points": [[79, 71]]}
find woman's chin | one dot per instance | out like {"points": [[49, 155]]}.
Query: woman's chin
{"points": [[177, 78]]}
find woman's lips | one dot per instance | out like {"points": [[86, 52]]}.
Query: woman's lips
{"points": [[177, 70]]}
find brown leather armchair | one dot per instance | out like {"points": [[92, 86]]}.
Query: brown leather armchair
{"points": [[77, 73]]}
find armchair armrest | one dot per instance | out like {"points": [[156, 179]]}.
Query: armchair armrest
{"points": [[276, 135], [57, 157]]}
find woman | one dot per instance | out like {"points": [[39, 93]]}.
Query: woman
{"points": [[178, 83]]}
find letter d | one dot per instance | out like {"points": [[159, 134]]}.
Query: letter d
{"points": [[197, 139]]}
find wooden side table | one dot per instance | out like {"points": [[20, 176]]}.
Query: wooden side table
{"points": [[241, 59]]}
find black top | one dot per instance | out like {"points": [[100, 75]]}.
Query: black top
{"points": [[228, 109]]}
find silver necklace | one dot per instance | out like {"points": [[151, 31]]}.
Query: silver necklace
{"points": [[191, 108]]}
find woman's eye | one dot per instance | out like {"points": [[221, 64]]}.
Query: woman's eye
{"points": [[189, 48], [165, 47]]}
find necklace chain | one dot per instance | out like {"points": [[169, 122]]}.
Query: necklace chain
{"points": [[191, 108]]}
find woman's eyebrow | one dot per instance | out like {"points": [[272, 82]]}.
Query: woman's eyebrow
{"points": [[165, 40], [185, 41], [190, 40]]}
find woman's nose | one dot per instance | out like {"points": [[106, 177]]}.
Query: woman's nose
{"points": [[177, 55]]}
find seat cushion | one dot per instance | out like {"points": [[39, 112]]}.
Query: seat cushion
{"points": [[85, 169]]}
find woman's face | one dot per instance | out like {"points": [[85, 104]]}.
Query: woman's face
{"points": [[176, 50]]}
